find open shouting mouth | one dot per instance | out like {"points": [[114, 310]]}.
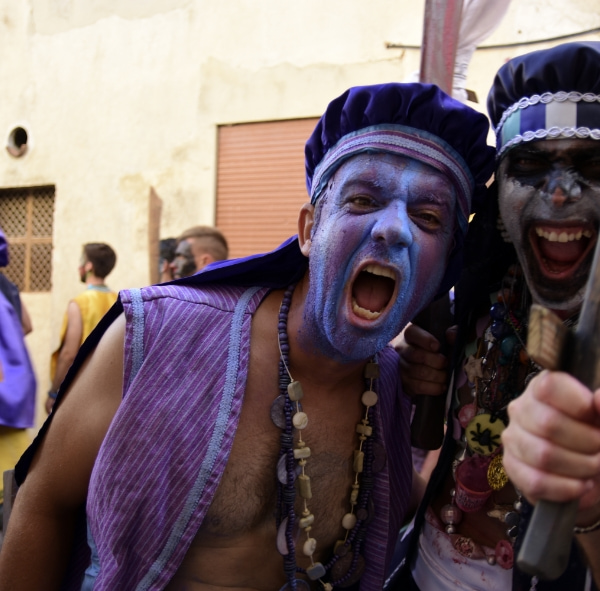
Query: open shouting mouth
{"points": [[560, 258], [561, 249], [373, 289]]}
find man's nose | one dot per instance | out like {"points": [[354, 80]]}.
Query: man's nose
{"points": [[393, 226], [562, 187]]}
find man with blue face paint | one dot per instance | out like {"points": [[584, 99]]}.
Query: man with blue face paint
{"points": [[382, 234], [265, 445]]}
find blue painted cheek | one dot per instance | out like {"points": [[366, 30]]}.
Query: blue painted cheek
{"points": [[425, 276], [412, 288]]}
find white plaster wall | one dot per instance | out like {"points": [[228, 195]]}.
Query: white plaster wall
{"points": [[122, 95]]}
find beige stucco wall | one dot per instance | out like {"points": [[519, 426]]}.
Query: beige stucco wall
{"points": [[121, 95]]}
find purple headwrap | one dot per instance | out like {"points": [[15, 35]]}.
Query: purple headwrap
{"points": [[415, 120], [547, 94], [3, 250]]}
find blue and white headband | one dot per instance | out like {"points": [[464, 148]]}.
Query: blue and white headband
{"points": [[551, 115]]}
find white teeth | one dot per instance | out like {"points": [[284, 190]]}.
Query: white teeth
{"points": [[563, 236], [377, 270], [363, 312]]}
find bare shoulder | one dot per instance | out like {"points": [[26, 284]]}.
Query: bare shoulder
{"points": [[67, 455], [37, 544]]}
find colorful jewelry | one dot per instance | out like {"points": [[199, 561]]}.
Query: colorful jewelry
{"points": [[451, 516], [496, 374], [347, 564]]}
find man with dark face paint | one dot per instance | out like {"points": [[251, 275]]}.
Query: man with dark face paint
{"points": [[545, 107], [549, 196], [201, 461], [183, 264], [196, 248]]}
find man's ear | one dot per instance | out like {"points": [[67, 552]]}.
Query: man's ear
{"points": [[88, 267], [205, 259], [305, 226]]}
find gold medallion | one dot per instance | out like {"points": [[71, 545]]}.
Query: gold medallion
{"points": [[496, 474]]}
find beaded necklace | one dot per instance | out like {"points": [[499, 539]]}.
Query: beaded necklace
{"points": [[346, 564]]}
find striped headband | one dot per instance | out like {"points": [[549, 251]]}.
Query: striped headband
{"points": [[405, 141], [549, 116]]}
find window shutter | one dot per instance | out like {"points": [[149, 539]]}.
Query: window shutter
{"points": [[261, 183]]}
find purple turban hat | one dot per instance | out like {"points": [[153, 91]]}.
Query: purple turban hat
{"points": [[547, 94], [3, 250], [415, 120], [419, 121]]}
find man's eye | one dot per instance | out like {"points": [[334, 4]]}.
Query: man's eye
{"points": [[362, 201], [590, 169], [527, 165], [426, 219]]}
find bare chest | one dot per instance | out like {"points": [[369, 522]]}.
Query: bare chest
{"points": [[239, 530], [247, 494]]}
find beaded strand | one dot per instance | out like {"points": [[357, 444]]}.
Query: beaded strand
{"points": [[346, 565]]}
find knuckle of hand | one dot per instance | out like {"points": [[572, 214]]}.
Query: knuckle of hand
{"points": [[422, 372], [549, 423], [416, 356], [513, 409], [420, 387], [544, 456], [547, 384], [507, 440], [536, 485]]}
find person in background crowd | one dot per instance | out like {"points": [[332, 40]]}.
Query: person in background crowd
{"points": [[83, 312], [197, 247], [17, 378], [166, 256]]}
